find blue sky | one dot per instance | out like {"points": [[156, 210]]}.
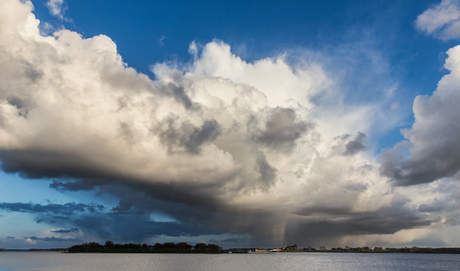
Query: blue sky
{"points": [[154, 121], [154, 31]]}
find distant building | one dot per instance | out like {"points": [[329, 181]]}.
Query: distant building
{"points": [[290, 247], [294, 247]]}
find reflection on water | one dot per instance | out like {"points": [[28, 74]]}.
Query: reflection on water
{"points": [[271, 261]]}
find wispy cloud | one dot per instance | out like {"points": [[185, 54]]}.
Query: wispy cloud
{"points": [[161, 40], [57, 8], [52, 239], [72, 230], [441, 21], [67, 209]]}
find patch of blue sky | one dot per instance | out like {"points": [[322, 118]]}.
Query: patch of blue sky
{"points": [[161, 217], [162, 29], [20, 225], [16, 189], [13, 188]]}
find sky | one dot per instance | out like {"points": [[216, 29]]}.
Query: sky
{"points": [[239, 123]]}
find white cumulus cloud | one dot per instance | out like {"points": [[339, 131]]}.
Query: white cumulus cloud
{"points": [[434, 151]]}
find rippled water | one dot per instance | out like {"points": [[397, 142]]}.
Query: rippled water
{"points": [[270, 261]]}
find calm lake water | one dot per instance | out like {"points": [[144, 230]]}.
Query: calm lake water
{"points": [[273, 261]]}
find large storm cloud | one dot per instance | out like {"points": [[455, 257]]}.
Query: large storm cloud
{"points": [[220, 145]]}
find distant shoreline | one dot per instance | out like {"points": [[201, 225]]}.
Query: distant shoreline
{"points": [[35, 250], [184, 248], [251, 253]]}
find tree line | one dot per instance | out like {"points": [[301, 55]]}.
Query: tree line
{"points": [[182, 247], [110, 247]]}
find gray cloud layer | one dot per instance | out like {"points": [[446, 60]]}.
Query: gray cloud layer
{"points": [[66, 230], [53, 239], [67, 209]]}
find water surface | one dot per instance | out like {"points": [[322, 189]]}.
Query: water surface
{"points": [[51, 261]]}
